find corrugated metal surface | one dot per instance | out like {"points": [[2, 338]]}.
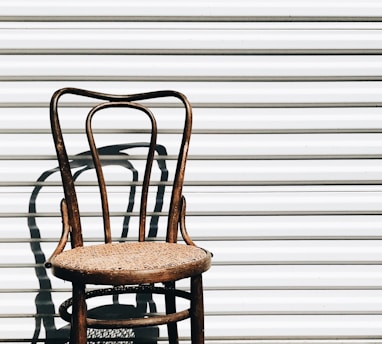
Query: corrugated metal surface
{"points": [[284, 169]]}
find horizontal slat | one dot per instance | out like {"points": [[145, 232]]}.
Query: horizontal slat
{"points": [[197, 68], [228, 253], [218, 120], [255, 277], [294, 302], [216, 229], [220, 202], [244, 41], [199, 9], [162, 40], [256, 302], [294, 277], [264, 145], [217, 95], [288, 228], [299, 326]]}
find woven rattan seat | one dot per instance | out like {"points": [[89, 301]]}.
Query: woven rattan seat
{"points": [[130, 263], [124, 266]]}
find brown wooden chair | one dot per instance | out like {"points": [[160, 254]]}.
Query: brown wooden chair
{"points": [[128, 267]]}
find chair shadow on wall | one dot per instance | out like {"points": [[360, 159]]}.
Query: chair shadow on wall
{"points": [[45, 308]]}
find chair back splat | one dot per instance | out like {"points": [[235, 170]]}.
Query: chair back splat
{"points": [[125, 266]]}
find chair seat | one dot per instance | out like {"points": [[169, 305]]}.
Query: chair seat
{"points": [[130, 263]]}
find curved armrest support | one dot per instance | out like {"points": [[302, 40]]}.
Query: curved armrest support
{"points": [[66, 229], [182, 222]]}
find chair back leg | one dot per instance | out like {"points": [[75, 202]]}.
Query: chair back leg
{"points": [[172, 328]]}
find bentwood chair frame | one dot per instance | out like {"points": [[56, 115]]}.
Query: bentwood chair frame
{"points": [[178, 261]]}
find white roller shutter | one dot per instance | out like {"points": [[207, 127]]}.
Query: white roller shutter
{"points": [[283, 180]]}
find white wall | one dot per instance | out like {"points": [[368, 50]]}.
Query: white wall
{"points": [[282, 180]]}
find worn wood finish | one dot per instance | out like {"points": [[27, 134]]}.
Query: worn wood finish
{"points": [[78, 332], [133, 323], [197, 310], [141, 263], [172, 328]]}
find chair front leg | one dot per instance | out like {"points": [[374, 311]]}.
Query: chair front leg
{"points": [[78, 332], [197, 310]]}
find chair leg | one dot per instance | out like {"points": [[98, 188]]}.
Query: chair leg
{"points": [[197, 310], [78, 332], [172, 328]]}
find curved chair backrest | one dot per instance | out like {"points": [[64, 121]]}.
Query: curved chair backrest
{"points": [[120, 101]]}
